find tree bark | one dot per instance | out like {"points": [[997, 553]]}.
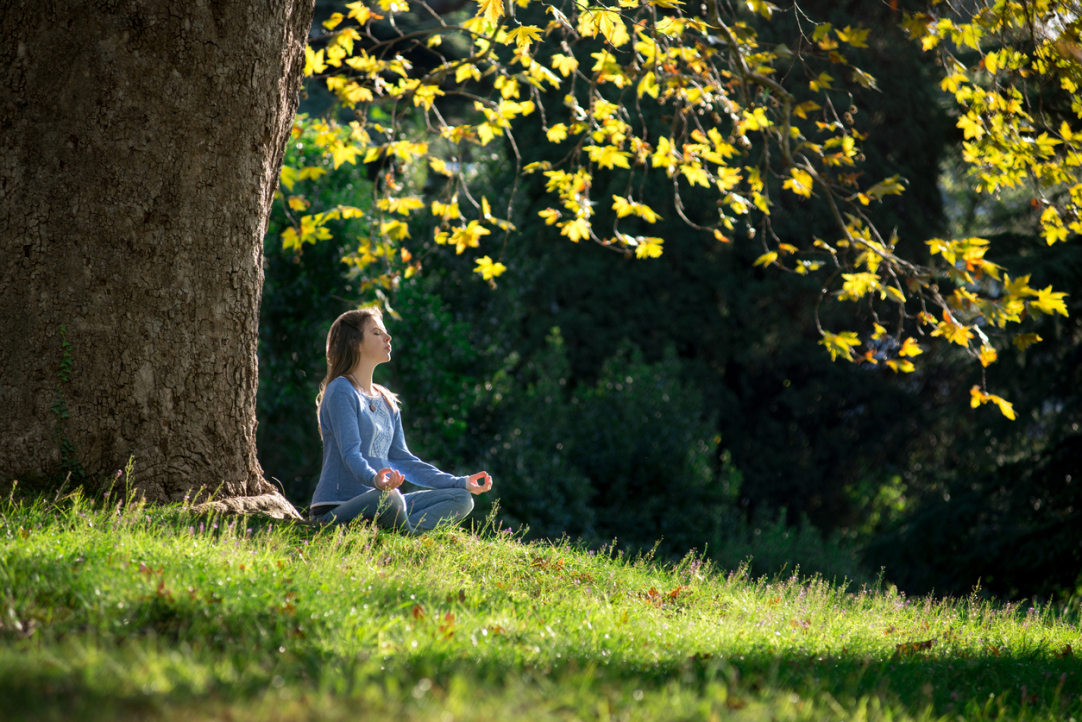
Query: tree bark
{"points": [[140, 145]]}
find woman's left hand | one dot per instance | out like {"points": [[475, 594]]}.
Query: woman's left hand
{"points": [[479, 488]]}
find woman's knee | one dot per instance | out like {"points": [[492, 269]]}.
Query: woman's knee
{"points": [[465, 500], [396, 501], [392, 507]]}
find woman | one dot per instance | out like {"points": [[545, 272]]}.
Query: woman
{"points": [[365, 458]]}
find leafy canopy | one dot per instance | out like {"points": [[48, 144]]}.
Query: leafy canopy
{"points": [[428, 95]]}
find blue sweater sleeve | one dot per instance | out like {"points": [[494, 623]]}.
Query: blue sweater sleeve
{"points": [[416, 471], [343, 411]]}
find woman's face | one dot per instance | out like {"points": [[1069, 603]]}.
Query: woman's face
{"points": [[376, 343]]}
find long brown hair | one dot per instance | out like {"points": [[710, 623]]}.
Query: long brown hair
{"points": [[344, 351]]}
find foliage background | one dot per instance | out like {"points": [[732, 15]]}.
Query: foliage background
{"points": [[684, 399]]}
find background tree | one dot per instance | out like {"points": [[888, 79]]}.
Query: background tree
{"points": [[139, 155]]}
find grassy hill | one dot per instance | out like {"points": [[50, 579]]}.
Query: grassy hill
{"points": [[119, 611]]}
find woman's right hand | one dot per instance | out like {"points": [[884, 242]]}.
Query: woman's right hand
{"points": [[388, 479]]}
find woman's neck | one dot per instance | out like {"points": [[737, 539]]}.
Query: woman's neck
{"points": [[361, 376]]}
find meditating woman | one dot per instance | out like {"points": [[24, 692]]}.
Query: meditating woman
{"points": [[365, 457]]}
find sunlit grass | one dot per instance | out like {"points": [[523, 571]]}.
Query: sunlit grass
{"points": [[115, 610]]}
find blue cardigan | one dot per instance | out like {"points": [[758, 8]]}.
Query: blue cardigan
{"points": [[358, 442]]}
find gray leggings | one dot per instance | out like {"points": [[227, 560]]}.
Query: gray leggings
{"points": [[413, 513]]}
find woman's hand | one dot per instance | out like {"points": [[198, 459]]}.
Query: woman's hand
{"points": [[479, 488], [388, 479]]}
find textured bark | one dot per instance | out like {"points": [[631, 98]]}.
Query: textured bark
{"points": [[140, 144]]}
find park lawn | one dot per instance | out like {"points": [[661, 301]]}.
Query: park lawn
{"points": [[120, 611]]}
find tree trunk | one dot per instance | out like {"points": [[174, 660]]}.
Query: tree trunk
{"points": [[140, 145]]}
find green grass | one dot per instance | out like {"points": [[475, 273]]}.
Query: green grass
{"points": [[124, 611]]}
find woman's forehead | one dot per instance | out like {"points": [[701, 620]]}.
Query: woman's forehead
{"points": [[376, 321]]}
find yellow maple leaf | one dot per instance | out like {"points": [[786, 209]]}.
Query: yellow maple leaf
{"points": [[822, 82], [524, 35], [1049, 302], [854, 36], [565, 64], [395, 230], [987, 356], [622, 206], [313, 62], [344, 153], [551, 215], [360, 13], [648, 85], [290, 240], [840, 344], [556, 133], [756, 119], [649, 248], [1024, 340], [1018, 288], [575, 230], [766, 259], [468, 236], [894, 293], [488, 269], [910, 348], [311, 172], [978, 397], [439, 166], [446, 211], [1005, 407], [879, 333], [901, 365], [608, 156], [536, 166], [799, 182], [486, 133], [401, 206], [467, 70], [426, 95], [492, 10], [646, 213], [858, 285], [288, 177], [335, 54], [952, 330], [762, 7], [695, 174]]}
